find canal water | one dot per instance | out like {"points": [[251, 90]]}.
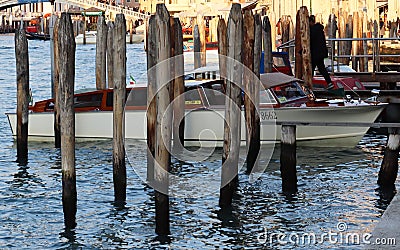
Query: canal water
{"points": [[337, 187]]}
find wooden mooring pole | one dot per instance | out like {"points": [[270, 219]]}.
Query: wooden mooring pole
{"points": [[22, 64], [56, 84], [159, 117], [131, 31], [110, 53], [231, 146], [151, 100], [222, 47], [257, 50], [298, 49], [119, 167], [101, 51], [66, 64], [202, 33], [256, 85], [305, 46], [164, 121], [196, 47], [84, 30], [288, 159], [178, 83], [253, 145], [355, 47], [266, 34], [390, 165]]}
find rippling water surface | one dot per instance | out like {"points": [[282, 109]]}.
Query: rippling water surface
{"points": [[335, 185]]}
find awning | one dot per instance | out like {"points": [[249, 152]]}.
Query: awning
{"points": [[92, 12], [270, 80], [244, 6]]}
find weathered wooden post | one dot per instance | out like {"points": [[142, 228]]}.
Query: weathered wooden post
{"points": [[151, 99], [222, 47], [146, 24], [267, 45], [84, 29], [101, 52], [288, 159], [119, 167], [272, 20], [213, 26], [285, 23], [253, 146], [56, 84], [202, 32], [375, 47], [110, 53], [22, 63], [256, 88], [178, 84], [131, 31], [363, 61], [292, 33], [332, 27], [390, 165], [355, 46], [231, 146], [66, 64], [257, 52], [164, 121], [349, 34], [197, 47], [298, 49], [342, 34], [305, 46]]}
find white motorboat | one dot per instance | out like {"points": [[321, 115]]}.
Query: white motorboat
{"points": [[282, 100]]}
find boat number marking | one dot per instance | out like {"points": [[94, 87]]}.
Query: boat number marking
{"points": [[268, 115]]}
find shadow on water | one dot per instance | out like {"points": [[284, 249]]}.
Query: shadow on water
{"points": [[228, 217], [385, 195], [117, 216], [22, 161], [162, 240], [71, 240]]}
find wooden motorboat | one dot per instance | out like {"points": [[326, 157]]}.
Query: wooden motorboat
{"points": [[283, 99]]}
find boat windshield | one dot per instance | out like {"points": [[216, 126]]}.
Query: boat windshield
{"points": [[266, 97], [214, 96], [278, 61], [192, 97], [288, 92]]}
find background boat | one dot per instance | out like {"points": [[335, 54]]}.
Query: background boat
{"points": [[91, 38], [37, 36]]}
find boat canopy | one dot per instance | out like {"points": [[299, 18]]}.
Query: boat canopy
{"points": [[270, 80]]}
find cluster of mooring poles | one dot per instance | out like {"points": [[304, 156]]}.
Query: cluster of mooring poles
{"points": [[237, 46], [63, 89]]}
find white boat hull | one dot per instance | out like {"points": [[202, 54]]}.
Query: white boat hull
{"points": [[207, 126]]}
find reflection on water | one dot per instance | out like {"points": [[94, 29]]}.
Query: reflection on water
{"points": [[335, 185]]}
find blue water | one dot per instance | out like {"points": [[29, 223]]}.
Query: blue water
{"points": [[335, 185]]}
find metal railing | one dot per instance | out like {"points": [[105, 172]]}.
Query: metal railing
{"points": [[369, 44], [129, 14]]}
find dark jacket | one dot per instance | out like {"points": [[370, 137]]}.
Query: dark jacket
{"points": [[319, 50]]}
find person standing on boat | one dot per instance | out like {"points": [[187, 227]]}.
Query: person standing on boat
{"points": [[319, 51]]}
